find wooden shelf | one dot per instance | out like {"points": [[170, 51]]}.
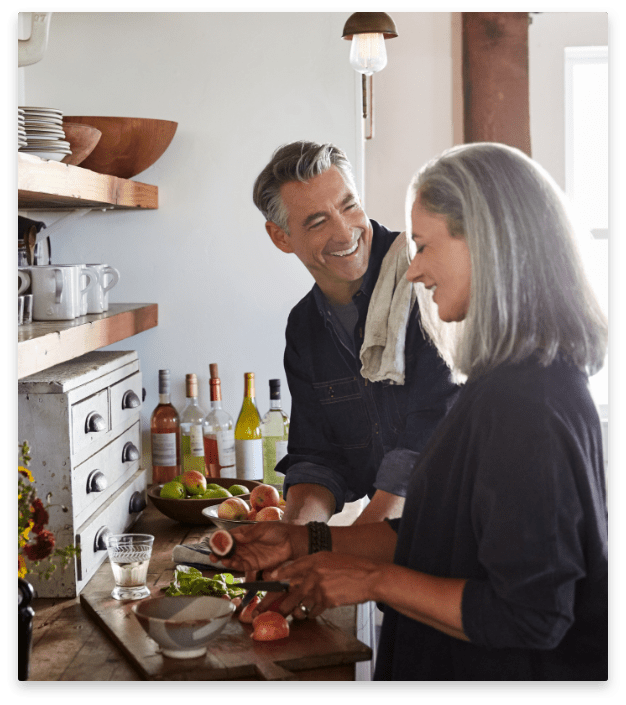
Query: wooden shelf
{"points": [[42, 344], [50, 185]]}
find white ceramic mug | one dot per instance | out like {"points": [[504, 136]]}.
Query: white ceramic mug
{"points": [[97, 297], [58, 290], [23, 280]]}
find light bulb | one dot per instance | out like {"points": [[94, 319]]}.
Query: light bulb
{"points": [[368, 53]]}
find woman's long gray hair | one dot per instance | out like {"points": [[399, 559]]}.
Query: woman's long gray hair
{"points": [[529, 291]]}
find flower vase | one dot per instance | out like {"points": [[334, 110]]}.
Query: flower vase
{"points": [[25, 614]]}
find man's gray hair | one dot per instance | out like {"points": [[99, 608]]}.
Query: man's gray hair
{"points": [[529, 291], [297, 161]]}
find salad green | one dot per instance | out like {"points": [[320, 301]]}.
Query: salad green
{"points": [[190, 581]]}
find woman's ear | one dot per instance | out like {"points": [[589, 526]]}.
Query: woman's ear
{"points": [[279, 237]]}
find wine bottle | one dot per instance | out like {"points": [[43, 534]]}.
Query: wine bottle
{"points": [[191, 420], [165, 434], [218, 432], [248, 438], [275, 431]]}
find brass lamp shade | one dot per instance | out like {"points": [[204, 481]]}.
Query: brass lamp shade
{"points": [[370, 23]]}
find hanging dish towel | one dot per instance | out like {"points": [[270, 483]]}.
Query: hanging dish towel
{"points": [[382, 352]]}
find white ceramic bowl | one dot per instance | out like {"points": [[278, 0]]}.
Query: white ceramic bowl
{"points": [[182, 626]]}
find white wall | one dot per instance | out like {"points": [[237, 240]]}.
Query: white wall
{"points": [[413, 110], [239, 85]]}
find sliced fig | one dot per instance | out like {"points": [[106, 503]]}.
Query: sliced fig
{"points": [[222, 543]]}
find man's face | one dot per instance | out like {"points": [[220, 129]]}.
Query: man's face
{"points": [[328, 231]]}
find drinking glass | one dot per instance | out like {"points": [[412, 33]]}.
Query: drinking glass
{"points": [[129, 555]]}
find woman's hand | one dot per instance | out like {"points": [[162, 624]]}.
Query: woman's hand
{"points": [[263, 545], [325, 580]]}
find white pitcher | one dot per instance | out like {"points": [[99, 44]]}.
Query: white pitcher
{"points": [[98, 297], [58, 290]]}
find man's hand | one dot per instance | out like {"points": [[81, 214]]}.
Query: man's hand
{"points": [[308, 502], [383, 505]]}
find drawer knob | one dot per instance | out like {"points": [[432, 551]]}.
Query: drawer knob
{"points": [[130, 400], [129, 453], [96, 482], [95, 423], [100, 542], [137, 503]]}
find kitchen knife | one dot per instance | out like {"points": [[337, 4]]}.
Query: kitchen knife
{"points": [[268, 585], [255, 585]]}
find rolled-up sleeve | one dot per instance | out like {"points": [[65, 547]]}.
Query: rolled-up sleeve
{"points": [[395, 471], [307, 471]]}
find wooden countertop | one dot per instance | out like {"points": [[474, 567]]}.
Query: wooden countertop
{"points": [[72, 642]]}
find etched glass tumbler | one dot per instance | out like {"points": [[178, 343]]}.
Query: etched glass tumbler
{"points": [[129, 555]]}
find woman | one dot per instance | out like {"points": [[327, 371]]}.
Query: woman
{"points": [[497, 569]]}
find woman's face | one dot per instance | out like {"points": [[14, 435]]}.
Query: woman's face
{"points": [[441, 262]]}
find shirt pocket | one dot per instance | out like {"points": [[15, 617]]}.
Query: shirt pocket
{"points": [[343, 406]]}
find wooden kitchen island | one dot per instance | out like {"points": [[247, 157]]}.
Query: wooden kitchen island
{"points": [[96, 638]]}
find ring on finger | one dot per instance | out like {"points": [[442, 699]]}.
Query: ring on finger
{"points": [[304, 608]]}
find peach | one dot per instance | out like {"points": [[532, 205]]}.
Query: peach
{"points": [[264, 496]]}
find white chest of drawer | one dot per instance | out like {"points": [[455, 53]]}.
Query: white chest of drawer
{"points": [[82, 420]]}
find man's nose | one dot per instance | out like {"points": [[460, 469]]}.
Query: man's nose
{"points": [[344, 232]]}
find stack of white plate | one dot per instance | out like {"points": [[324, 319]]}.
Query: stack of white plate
{"points": [[44, 133], [21, 129]]}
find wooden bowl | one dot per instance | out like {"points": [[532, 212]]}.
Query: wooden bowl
{"points": [[128, 146], [189, 511], [82, 139]]}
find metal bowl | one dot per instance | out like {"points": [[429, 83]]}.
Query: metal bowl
{"points": [[211, 514], [183, 626], [189, 511]]}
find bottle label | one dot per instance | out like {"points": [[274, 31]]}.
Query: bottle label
{"points": [[196, 443], [281, 450], [163, 449], [249, 454], [226, 449]]}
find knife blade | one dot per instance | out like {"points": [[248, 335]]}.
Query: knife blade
{"points": [[268, 585], [254, 586]]}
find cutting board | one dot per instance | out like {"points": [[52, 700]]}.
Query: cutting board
{"points": [[311, 644]]}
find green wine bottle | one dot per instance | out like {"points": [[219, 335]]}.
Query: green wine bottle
{"points": [[248, 437]]}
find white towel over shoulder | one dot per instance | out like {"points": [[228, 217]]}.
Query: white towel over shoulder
{"points": [[382, 352]]}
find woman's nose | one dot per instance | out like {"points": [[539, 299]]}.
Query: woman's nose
{"points": [[413, 273]]}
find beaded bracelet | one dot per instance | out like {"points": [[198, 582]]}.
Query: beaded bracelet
{"points": [[320, 538]]}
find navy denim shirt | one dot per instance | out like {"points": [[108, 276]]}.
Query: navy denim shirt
{"points": [[348, 434]]}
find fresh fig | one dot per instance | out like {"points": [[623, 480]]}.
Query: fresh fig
{"points": [[222, 543]]}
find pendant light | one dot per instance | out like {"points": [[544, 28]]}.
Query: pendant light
{"points": [[368, 31]]}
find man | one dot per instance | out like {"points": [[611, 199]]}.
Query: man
{"points": [[349, 437]]}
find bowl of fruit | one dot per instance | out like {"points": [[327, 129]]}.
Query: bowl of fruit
{"points": [[184, 498], [265, 503]]}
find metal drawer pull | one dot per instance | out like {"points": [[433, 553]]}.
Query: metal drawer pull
{"points": [[100, 542], [143, 394], [130, 400], [96, 482], [95, 423], [129, 453], [137, 503]]}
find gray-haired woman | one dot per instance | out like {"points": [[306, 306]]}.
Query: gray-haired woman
{"points": [[497, 569]]}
